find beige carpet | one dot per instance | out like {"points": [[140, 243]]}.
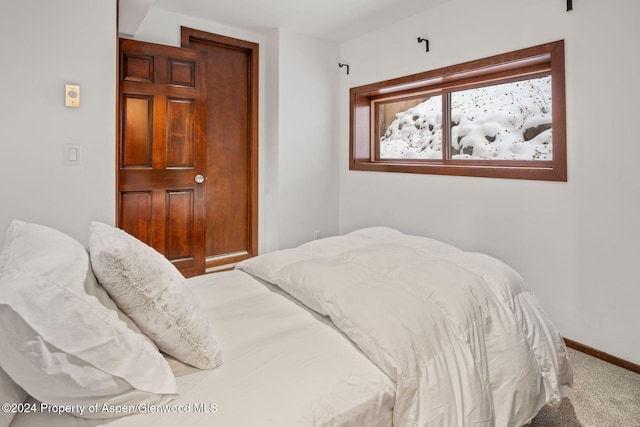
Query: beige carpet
{"points": [[603, 395]]}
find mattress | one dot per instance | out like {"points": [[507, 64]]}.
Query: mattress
{"points": [[283, 366]]}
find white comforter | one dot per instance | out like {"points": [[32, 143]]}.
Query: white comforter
{"points": [[460, 333]]}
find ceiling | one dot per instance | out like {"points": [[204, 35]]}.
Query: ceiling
{"points": [[337, 20]]}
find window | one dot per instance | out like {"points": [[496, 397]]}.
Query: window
{"points": [[502, 116]]}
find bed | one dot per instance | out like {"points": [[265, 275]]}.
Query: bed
{"points": [[373, 328]]}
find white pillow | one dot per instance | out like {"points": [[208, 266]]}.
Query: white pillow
{"points": [[148, 288], [10, 393], [59, 342], [47, 251]]}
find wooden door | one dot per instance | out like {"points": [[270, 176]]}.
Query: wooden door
{"points": [[232, 146], [162, 150]]}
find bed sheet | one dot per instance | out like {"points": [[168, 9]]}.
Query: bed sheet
{"points": [[283, 366]]}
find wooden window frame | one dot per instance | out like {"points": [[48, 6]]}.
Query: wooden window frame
{"points": [[546, 59]]}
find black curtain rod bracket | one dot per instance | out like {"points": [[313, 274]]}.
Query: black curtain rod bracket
{"points": [[344, 65], [420, 40]]}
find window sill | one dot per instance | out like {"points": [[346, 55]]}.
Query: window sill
{"points": [[542, 171]]}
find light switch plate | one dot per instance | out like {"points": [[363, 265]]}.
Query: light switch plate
{"points": [[72, 154], [71, 95]]}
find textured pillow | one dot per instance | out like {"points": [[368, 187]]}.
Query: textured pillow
{"points": [[58, 341], [149, 289], [10, 393]]}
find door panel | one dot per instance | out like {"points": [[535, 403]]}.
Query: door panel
{"points": [[179, 219], [232, 146], [227, 152], [135, 214], [162, 147], [137, 132], [180, 138]]}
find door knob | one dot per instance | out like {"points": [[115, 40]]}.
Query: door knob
{"points": [[199, 179]]}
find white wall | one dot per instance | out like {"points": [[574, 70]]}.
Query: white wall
{"points": [[576, 242], [298, 188], [308, 150], [45, 45]]}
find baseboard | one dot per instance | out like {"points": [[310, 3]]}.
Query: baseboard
{"points": [[602, 356]]}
